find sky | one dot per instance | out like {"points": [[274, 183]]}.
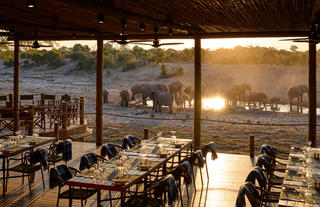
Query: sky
{"points": [[212, 43]]}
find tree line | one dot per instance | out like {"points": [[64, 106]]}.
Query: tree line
{"points": [[131, 58]]}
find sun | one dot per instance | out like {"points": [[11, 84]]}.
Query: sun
{"points": [[216, 103]]}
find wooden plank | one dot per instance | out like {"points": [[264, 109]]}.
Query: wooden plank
{"points": [[197, 95], [99, 85], [312, 94], [16, 77]]}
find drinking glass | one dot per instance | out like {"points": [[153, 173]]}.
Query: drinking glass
{"points": [[173, 134], [159, 134]]}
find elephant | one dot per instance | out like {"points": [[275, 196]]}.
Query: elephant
{"points": [[261, 98], [240, 92], [175, 88], [297, 92], [188, 95], [232, 97], [274, 101], [180, 102], [105, 96], [161, 98], [125, 95], [149, 87], [136, 89]]}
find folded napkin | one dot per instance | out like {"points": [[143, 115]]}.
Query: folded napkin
{"points": [[136, 172], [294, 168], [297, 156], [288, 182]]}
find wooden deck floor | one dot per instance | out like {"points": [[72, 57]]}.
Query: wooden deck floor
{"points": [[227, 173]]}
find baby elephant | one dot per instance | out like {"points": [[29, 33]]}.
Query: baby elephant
{"points": [[125, 95], [105, 96], [161, 98]]}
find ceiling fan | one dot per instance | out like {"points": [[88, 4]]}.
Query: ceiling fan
{"points": [[156, 41], [123, 37]]}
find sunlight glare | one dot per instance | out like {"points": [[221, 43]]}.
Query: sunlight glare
{"points": [[216, 103]]}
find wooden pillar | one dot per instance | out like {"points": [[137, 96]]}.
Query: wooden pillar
{"points": [[16, 78], [251, 146], [31, 121], [312, 94], [82, 110], [99, 85], [56, 130], [197, 94]]}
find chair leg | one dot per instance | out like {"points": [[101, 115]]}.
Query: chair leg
{"points": [[42, 178], [110, 198], [201, 175], [28, 175], [207, 171], [194, 181], [181, 195], [187, 192]]}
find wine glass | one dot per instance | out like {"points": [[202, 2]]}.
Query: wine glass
{"points": [[159, 134]]}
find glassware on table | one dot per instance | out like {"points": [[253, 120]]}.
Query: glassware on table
{"points": [[173, 134], [159, 134]]}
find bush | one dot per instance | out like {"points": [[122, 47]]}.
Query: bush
{"points": [[178, 71], [163, 69], [128, 67]]}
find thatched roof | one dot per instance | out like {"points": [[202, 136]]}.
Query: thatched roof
{"points": [[61, 18]]}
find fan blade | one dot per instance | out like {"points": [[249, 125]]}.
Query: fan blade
{"points": [[308, 41], [306, 38], [46, 45], [23, 45], [132, 41], [172, 43], [142, 44]]}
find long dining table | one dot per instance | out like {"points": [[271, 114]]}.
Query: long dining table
{"points": [[295, 190], [153, 153], [13, 146]]}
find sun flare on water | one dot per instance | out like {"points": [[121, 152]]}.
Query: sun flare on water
{"points": [[215, 103]]}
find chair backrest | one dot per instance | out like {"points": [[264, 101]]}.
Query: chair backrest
{"points": [[48, 97], [183, 170], [65, 147], [58, 175], [110, 150], [196, 157], [128, 142], [39, 156], [66, 98], [266, 162], [268, 150], [249, 190], [87, 161], [167, 185], [256, 174], [210, 147], [26, 97], [3, 98]]}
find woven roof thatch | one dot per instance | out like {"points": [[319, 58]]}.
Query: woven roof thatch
{"points": [[60, 18]]}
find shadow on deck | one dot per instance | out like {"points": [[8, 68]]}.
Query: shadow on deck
{"points": [[227, 173]]}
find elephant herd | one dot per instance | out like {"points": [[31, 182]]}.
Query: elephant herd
{"points": [[176, 93], [237, 96]]}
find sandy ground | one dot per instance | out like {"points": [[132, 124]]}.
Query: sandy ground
{"points": [[273, 80]]}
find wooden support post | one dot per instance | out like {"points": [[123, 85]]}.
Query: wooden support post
{"points": [[64, 116], [145, 134], [312, 94], [197, 95], [31, 121], [99, 87], [251, 146], [56, 130], [16, 77], [81, 110]]}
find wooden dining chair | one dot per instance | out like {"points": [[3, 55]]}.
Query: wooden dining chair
{"points": [[210, 147], [89, 159], [58, 177], [130, 141], [156, 195], [196, 159], [29, 165]]}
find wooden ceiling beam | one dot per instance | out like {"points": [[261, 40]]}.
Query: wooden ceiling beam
{"points": [[17, 25], [110, 10], [175, 36]]}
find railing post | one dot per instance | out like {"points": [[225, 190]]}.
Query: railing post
{"points": [[64, 116], [81, 110], [56, 130], [251, 146], [145, 134]]}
